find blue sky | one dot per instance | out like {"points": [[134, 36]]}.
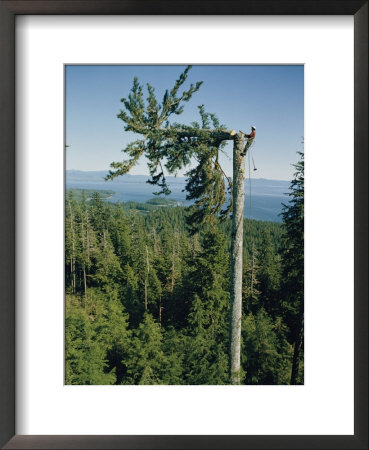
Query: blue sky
{"points": [[269, 97]]}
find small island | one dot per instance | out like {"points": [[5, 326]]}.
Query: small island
{"points": [[162, 201], [79, 193]]}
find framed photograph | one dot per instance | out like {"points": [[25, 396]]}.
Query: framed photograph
{"points": [[129, 317]]}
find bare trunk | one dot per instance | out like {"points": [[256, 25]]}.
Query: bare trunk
{"points": [[147, 275], [236, 260], [87, 239], [173, 278], [84, 279], [252, 272], [84, 245], [73, 257]]}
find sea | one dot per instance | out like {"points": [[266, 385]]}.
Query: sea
{"points": [[265, 202]]}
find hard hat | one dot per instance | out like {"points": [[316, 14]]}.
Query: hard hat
{"points": [[253, 128]]}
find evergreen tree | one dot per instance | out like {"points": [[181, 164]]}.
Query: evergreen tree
{"points": [[131, 299], [117, 336], [293, 266], [173, 145], [147, 363], [71, 242], [85, 359], [119, 234], [250, 289], [269, 275], [265, 355], [107, 267], [89, 246], [206, 361], [99, 214]]}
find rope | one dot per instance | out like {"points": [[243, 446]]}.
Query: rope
{"points": [[250, 214], [253, 162], [250, 185]]}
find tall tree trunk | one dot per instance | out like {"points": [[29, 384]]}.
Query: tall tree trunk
{"points": [[146, 275], [85, 280], [173, 274], [84, 252], [252, 272], [236, 260], [73, 257]]}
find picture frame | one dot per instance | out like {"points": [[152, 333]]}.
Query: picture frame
{"points": [[8, 11]]}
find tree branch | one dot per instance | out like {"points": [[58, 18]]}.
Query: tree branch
{"points": [[219, 135]]}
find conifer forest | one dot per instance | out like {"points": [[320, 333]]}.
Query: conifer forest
{"points": [[174, 295]]}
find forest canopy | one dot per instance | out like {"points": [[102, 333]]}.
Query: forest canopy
{"points": [[147, 302]]}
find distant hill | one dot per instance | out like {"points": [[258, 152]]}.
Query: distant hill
{"points": [[99, 176]]}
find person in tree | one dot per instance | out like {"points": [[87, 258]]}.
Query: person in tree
{"points": [[250, 139], [252, 134]]}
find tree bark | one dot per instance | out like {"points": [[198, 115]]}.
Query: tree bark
{"points": [[84, 280], [236, 259], [146, 275], [73, 257]]}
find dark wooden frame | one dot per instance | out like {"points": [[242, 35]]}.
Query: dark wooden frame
{"points": [[8, 11]]}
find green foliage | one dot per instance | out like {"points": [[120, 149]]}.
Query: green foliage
{"points": [[85, 358], [147, 117], [269, 274], [207, 184], [206, 360], [162, 201], [172, 146], [266, 356], [292, 252], [115, 259], [148, 363]]}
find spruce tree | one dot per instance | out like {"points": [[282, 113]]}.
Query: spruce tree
{"points": [[266, 356], [293, 266], [206, 361], [147, 362], [171, 146], [71, 242], [119, 226], [86, 359], [269, 275]]}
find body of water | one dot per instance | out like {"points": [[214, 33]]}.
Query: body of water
{"points": [[267, 196]]}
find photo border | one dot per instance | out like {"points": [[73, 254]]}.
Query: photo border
{"points": [[8, 11]]}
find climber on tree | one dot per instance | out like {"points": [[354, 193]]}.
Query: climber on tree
{"points": [[252, 134], [250, 138]]}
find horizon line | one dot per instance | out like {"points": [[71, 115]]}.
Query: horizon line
{"points": [[174, 176]]}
